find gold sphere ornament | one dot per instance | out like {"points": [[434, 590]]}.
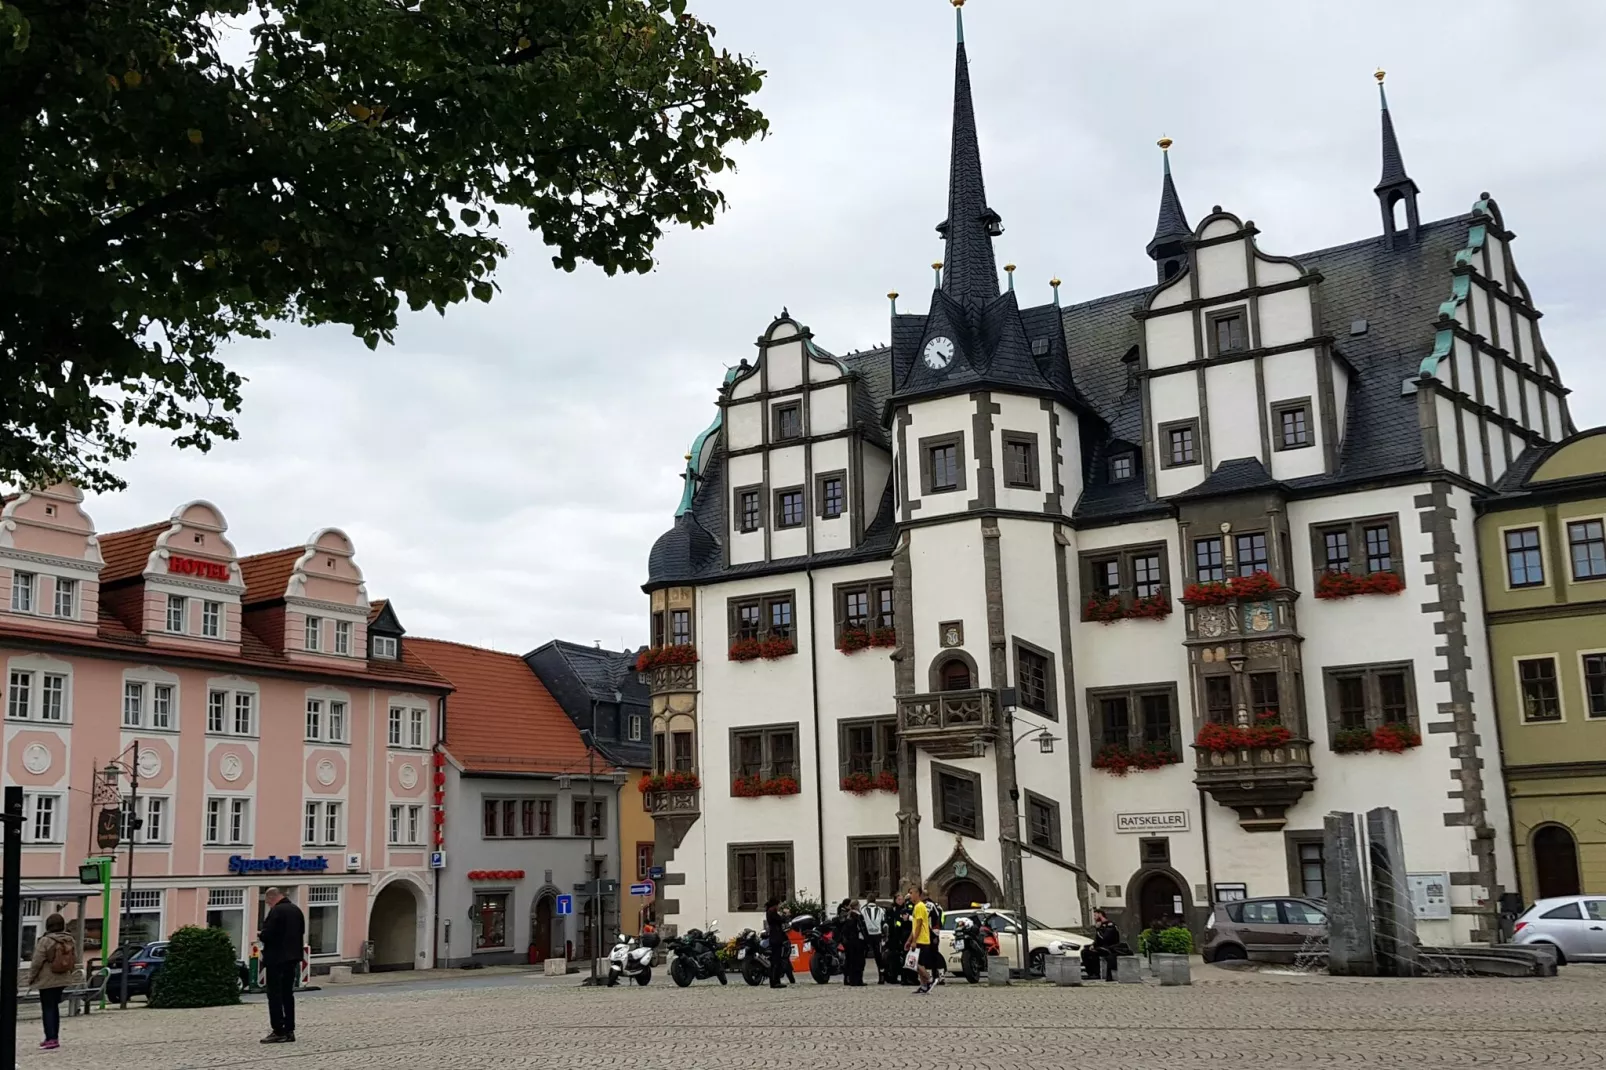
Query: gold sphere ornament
{"points": [[936, 265], [1379, 76], [892, 295], [1010, 268], [1053, 282], [1165, 144]]}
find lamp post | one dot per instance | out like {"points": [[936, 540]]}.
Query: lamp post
{"points": [[1015, 872], [127, 762]]}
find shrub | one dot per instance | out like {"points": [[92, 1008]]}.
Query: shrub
{"points": [[1176, 940], [200, 970]]}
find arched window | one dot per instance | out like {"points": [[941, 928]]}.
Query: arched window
{"points": [[1555, 862], [955, 675]]}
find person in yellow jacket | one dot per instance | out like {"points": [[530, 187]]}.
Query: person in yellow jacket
{"points": [[55, 961], [921, 940]]}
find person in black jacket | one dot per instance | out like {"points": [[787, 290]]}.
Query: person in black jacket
{"points": [[855, 940], [780, 946], [283, 932], [898, 922], [1106, 938]]}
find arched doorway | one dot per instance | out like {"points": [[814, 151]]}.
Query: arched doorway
{"points": [[393, 927], [541, 927], [1555, 862], [1160, 897], [955, 675], [964, 894]]}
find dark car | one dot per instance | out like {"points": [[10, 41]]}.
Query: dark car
{"points": [[1268, 930], [144, 964]]}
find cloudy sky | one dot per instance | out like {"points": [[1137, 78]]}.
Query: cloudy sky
{"points": [[504, 470]]}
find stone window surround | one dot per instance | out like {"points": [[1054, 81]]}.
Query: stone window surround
{"points": [[1356, 528], [956, 439], [1572, 571], [1583, 681], [1238, 312], [1544, 555], [149, 676], [1126, 555], [1034, 468], [1050, 678], [761, 852], [889, 878], [872, 590], [1293, 839], [1130, 457], [780, 513], [1374, 712], [881, 757], [1163, 432], [38, 666], [776, 410], [231, 687], [1134, 694], [756, 489], [939, 818], [1561, 696], [766, 734], [1278, 444], [537, 799], [1033, 797], [820, 480], [763, 601]]}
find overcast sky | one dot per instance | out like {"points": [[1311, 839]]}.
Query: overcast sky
{"points": [[503, 471]]}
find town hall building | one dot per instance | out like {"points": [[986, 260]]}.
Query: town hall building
{"points": [[1104, 604]]}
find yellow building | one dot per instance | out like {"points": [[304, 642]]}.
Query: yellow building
{"points": [[1542, 549]]}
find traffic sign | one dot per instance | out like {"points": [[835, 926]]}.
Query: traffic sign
{"points": [[656, 872], [565, 904], [644, 888], [437, 860], [605, 886]]}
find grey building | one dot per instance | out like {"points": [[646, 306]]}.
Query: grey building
{"points": [[530, 817]]}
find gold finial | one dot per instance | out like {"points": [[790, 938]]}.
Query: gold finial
{"points": [[1053, 282], [957, 3], [688, 456], [892, 295], [936, 265], [1379, 76], [1010, 268], [1165, 144]]}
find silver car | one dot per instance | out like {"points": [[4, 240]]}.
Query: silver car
{"points": [[1575, 925]]}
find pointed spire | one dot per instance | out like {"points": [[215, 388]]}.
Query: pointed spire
{"points": [[1172, 225], [1393, 164], [972, 272]]}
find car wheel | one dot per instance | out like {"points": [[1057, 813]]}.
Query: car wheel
{"points": [[1037, 962], [1229, 953], [1561, 959]]}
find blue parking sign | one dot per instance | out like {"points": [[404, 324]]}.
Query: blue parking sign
{"points": [[565, 904]]}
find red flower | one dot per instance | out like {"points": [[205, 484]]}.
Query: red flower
{"points": [[1217, 737], [1267, 731], [674, 654], [853, 640], [864, 783], [1156, 606], [1258, 584], [1396, 738], [751, 787], [746, 649], [1103, 608], [884, 637], [1345, 584], [1213, 593], [1118, 760], [671, 781]]}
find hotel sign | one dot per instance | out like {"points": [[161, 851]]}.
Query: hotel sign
{"points": [[206, 570], [274, 864], [1160, 821]]}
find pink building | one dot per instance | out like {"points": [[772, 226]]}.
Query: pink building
{"points": [[284, 732]]}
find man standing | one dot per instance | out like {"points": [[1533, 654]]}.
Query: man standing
{"points": [[873, 915], [921, 941], [283, 932], [780, 946]]}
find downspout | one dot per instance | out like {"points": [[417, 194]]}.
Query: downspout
{"points": [[814, 695], [1210, 879], [440, 744]]}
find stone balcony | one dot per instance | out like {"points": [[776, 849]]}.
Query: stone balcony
{"points": [[949, 724], [1259, 782], [663, 679]]}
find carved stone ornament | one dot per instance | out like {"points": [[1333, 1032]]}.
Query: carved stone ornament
{"points": [[1212, 621]]}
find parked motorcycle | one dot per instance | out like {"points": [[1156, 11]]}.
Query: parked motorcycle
{"points": [[973, 942], [753, 957], [696, 956], [820, 938], [632, 958]]}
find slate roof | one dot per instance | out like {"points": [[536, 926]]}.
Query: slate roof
{"points": [[1235, 476], [1393, 163], [1172, 223], [501, 718], [578, 675]]}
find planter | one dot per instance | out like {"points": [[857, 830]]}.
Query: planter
{"points": [[676, 654], [1152, 607], [1171, 969], [865, 783], [1106, 609], [1214, 593], [1119, 760], [1389, 739], [1267, 732], [1129, 970], [751, 787], [1332, 585], [669, 782], [769, 649], [854, 640], [998, 970], [1063, 971]]}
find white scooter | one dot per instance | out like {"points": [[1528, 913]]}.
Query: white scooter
{"points": [[632, 959]]}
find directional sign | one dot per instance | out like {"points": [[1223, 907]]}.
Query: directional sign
{"points": [[565, 904], [605, 886], [656, 872], [644, 888]]}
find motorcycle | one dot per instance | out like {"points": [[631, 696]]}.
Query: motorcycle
{"points": [[696, 956], [820, 937], [632, 959], [753, 957], [974, 942]]}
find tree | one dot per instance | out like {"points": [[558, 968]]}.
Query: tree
{"points": [[200, 970], [175, 173]]}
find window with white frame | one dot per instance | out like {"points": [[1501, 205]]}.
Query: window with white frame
{"points": [[23, 585], [245, 705], [407, 727], [177, 610], [343, 637], [231, 713], [42, 818], [162, 706], [323, 824], [225, 909], [217, 711], [385, 647], [52, 696], [19, 696], [314, 633], [154, 825], [67, 598], [326, 720], [406, 825], [635, 728], [415, 728], [212, 619], [395, 734], [228, 821], [314, 719], [149, 705], [336, 727], [133, 704], [38, 696], [143, 913], [323, 919]]}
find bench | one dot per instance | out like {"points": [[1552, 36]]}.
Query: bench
{"points": [[87, 993]]}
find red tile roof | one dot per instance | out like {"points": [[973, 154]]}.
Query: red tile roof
{"points": [[125, 552], [376, 607], [267, 575], [501, 718]]}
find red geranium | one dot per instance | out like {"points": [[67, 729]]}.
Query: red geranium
{"points": [[673, 654], [1213, 593], [1258, 584], [884, 637], [751, 787], [1103, 608], [1156, 606], [865, 783], [671, 781], [1396, 738], [853, 640], [1118, 760], [1345, 584]]}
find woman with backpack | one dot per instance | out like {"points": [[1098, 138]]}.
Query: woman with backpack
{"points": [[55, 957]]}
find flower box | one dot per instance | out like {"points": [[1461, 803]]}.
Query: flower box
{"points": [[1256, 585], [1265, 732], [865, 783], [771, 648], [1105, 609], [855, 639], [1156, 606], [1214, 593], [1345, 584], [1118, 759], [669, 782], [1391, 738], [751, 787], [674, 654]]}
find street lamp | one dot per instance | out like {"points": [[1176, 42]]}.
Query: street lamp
{"points": [[110, 783]]}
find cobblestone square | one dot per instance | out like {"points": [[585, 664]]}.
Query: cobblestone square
{"points": [[1222, 1020]]}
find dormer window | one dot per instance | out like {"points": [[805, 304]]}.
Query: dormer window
{"points": [[788, 421], [22, 588], [67, 599], [385, 647], [343, 637], [1121, 467], [1228, 333], [314, 633], [177, 610]]}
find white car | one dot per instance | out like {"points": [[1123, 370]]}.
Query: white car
{"points": [[1044, 940]]}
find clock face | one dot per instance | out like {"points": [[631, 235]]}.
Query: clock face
{"points": [[938, 352]]}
